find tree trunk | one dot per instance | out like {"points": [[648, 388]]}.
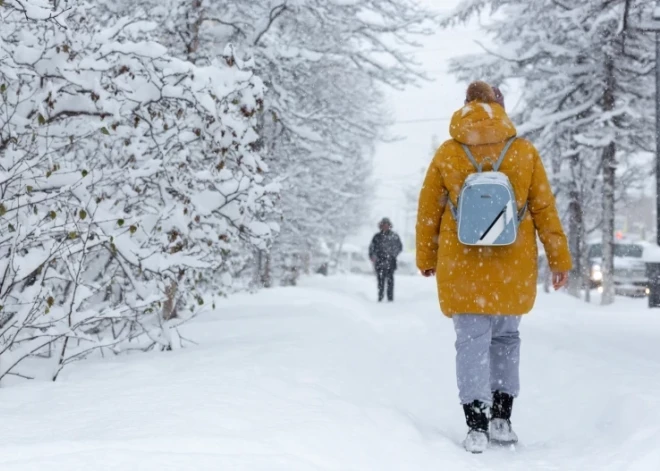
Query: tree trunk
{"points": [[169, 306], [266, 279], [609, 182], [193, 45], [609, 178], [575, 235], [169, 311], [256, 278], [586, 277]]}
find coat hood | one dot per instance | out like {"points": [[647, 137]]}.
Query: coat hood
{"points": [[481, 123]]}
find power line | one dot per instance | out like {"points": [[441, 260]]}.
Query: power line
{"points": [[422, 120]]}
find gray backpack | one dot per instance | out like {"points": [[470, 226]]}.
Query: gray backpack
{"points": [[487, 213]]}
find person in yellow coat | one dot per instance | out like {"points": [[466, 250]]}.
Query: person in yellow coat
{"points": [[486, 290]]}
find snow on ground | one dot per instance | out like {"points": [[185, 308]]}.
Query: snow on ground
{"points": [[321, 377]]}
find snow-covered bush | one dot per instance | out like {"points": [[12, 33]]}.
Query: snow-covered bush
{"points": [[130, 188]]}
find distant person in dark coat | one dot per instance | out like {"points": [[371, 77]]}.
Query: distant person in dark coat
{"points": [[384, 249]]}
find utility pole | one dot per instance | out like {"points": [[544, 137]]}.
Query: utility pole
{"points": [[656, 27], [653, 269]]}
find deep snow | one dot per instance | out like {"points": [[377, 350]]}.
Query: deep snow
{"points": [[320, 377]]}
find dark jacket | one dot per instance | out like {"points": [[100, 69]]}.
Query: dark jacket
{"points": [[385, 248]]}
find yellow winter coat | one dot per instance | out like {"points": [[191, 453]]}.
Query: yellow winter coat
{"points": [[487, 280]]}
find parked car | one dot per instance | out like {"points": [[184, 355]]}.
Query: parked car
{"points": [[629, 269]]}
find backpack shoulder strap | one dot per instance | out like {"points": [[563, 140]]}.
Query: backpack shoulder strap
{"points": [[471, 158], [507, 146], [523, 212]]}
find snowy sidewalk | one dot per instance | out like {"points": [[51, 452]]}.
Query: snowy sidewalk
{"points": [[321, 377]]}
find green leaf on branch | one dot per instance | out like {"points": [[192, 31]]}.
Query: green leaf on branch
{"points": [[82, 214], [120, 223], [105, 131]]}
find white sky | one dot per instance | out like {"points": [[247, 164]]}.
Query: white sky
{"points": [[399, 164]]}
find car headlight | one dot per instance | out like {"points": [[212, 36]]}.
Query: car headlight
{"points": [[596, 273]]}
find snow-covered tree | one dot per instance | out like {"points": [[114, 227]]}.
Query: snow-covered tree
{"points": [[327, 62], [130, 185], [584, 70], [324, 62]]}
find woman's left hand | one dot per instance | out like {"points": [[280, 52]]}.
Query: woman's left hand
{"points": [[559, 279]]}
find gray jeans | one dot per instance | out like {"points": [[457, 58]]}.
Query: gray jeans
{"points": [[487, 356]]}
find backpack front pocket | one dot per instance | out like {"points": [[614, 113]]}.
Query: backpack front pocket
{"points": [[492, 217]]}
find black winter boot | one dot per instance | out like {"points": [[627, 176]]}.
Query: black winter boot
{"points": [[476, 416], [500, 422], [502, 406]]}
